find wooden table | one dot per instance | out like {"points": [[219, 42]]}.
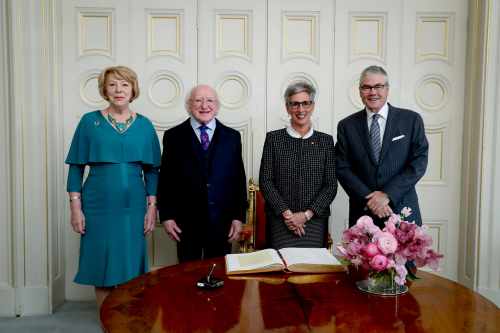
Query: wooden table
{"points": [[167, 300]]}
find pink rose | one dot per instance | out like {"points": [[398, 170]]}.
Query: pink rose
{"points": [[379, 262], [394, 219], [370, 250], [390, 227], [387, 243], [364, 222], [354, 248]]}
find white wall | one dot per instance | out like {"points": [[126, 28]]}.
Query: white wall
{"points": [[488, 261], [32, 204], [7, 303]]}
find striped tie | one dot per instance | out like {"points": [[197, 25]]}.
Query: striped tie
{"points": [[375, 137], [205, 141]]}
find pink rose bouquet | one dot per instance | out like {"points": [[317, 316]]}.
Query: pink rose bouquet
{"points": [[386, 253]]}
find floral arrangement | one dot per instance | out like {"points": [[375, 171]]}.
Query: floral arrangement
{"points": [[388, 253]]}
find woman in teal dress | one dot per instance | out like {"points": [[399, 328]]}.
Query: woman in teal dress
{"points": [[116, 206]]}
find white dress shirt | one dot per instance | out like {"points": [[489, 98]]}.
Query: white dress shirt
{"points": [[382, 120], [294, 134]]}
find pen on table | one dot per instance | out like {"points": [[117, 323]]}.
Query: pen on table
{"points": [[210, 272]]}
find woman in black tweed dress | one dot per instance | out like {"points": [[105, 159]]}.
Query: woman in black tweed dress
{"points": [[297, 175]]}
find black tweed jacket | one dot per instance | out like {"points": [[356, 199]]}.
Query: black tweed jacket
{"points": [[298, 174]]}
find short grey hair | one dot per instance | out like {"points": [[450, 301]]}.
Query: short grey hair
{"points": [[298, 87], [373, 70]]}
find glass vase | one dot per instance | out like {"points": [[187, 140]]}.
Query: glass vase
{"points": [[381, 284]]}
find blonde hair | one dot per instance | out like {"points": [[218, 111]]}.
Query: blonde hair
{"points": [[123, 73]]}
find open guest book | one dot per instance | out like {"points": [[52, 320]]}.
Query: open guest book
{"points": [[290, 259]]}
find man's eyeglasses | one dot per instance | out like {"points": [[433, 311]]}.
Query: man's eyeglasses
{"points": [[297, 105], [199, 101], [377, 88]]}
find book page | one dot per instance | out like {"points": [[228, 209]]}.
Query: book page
{"points": [[253, 261], [313, 256]]}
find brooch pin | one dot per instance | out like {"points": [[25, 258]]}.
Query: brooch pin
{"points": [[97, 123]]}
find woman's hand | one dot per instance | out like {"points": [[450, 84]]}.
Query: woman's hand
{"points": [[150, 219], [296, 222], [78, 220]]}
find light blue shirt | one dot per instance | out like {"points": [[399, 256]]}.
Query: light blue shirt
{"points": [[195, 124]]}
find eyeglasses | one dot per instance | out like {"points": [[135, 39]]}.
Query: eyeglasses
{"points": [[297, 105], [378, 88], [208, 101]]}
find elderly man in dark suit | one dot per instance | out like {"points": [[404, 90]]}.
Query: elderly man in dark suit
{"points": [[202, 185], [381, 153]]}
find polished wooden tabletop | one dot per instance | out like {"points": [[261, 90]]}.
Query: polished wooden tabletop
{"points": [[167, 300]]}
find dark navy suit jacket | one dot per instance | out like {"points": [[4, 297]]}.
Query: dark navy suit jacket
{"points": [[202, 195], [403, 161]]}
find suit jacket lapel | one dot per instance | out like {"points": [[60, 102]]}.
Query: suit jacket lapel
{"points": [[362, 126], [390, 127], [189, 140]]}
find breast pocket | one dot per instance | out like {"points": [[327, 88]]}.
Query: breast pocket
{"points": [[399, 146]]}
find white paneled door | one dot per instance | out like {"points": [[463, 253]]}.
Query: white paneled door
{"points": [[250, 51]]}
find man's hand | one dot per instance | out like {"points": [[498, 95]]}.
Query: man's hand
{"points": [[378, 203], [234, 231], [172, 230]]}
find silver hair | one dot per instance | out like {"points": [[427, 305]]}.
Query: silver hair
{"points": [[187, 99], [373, 70], [298, 87]]}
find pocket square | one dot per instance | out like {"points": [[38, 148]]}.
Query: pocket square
{"points": [[396, 138]]}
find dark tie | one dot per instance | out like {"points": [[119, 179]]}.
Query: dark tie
{"points": [[205, 141], [375, 137]]}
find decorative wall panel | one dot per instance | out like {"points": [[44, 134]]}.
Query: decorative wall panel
{"points": [[435, 174], [165, 89], [432, 92], [165, 34], [437, 229], [233, 90], [245, 129], [435, 35], [298, 77], [367, 36], [353, 94], [300, 36], [95, 32], [89, 89], [233, 35]]}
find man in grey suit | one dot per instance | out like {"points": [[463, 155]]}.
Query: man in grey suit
{"points": [[381, 153]]}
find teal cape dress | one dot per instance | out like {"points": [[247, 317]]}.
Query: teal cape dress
{"points": [[123, 170]]}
